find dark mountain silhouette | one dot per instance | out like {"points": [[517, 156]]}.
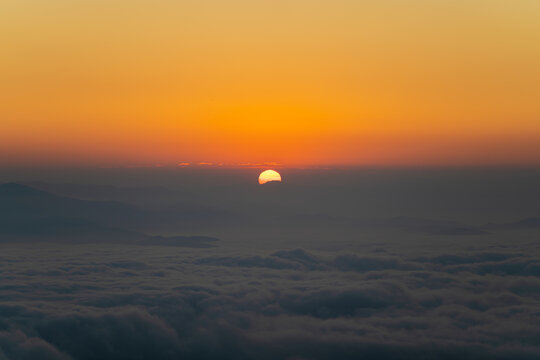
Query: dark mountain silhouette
{"points": [[28, 213], [148, 196], [159, 208], [401, 223], [432, 226], [23, 202], [532, 222], [184, 241]]}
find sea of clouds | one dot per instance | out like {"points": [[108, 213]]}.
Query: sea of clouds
{"points": [[441, 298]]}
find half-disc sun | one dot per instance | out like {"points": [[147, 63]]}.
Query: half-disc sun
{"points": [[269, 175]]}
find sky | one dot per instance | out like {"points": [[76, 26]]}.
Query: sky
{"points": [[296, 82]]}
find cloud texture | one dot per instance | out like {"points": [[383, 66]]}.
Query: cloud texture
{"points": [[118, 302]]}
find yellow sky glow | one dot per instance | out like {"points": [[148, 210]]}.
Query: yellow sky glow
{"points": [[298, 82]]}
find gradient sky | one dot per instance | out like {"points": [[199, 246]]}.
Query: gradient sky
{"points": [[298, 82]]}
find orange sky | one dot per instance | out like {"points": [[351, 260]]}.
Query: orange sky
{"points": [[298, 82]]}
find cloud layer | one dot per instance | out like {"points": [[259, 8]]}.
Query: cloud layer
{"points": [[228, 302]]}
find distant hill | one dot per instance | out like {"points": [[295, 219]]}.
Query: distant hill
{"points": [[148, 196], [533, 222], [153, 208], [22, 202], [28, 213], [430, 226], [184, 241]]}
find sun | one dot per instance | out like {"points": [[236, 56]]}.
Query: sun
{"points": [[269, 175]]}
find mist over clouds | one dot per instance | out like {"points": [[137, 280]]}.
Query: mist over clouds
{"points": [[382, 265]]}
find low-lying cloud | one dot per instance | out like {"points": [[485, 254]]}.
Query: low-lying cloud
{"points": [[118, 302]]}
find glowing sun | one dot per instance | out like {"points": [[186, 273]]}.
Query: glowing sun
{"points": [[269, 175]]}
